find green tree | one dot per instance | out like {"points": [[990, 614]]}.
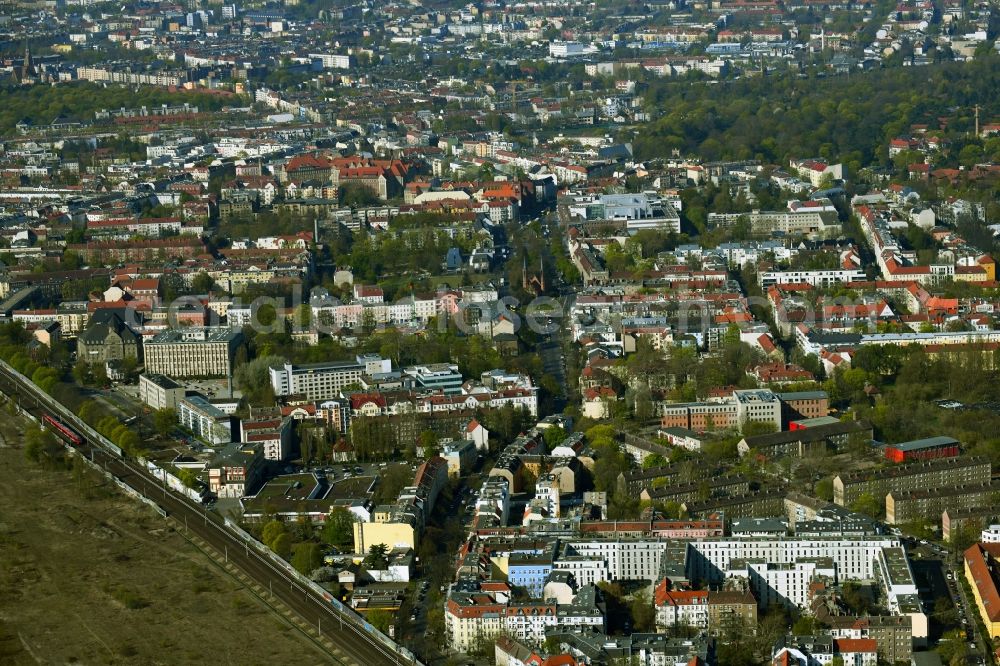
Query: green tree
{"points": [[164, 421], [428, 443], [187, 477], [824, 489], [282, 545], [653, 460], [869, 505], [643, 613], [271, 531], [307, 557], [339, 528], [202, 283], [377, 557], [380, 619], [254, 381], [553, 436]]}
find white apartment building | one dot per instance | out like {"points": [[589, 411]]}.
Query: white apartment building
{"points": [[625, 560], [586, 569], [991, 534], [472, 616], [819, 278], [854, 559], [683, 608], [779, 569], [331, 60], [785, 584], [205, 420], [757, 405], [324, 381]]}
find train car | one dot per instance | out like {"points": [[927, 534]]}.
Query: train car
{"points": [[62, 430]]}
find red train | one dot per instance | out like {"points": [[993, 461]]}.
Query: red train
{"points": [[62, 430]]}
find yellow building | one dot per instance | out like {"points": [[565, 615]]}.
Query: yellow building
{"points": [[987, 263], [392, 534], [981, 574]]}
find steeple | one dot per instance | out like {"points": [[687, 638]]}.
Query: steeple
{"points": [[27, 68]]}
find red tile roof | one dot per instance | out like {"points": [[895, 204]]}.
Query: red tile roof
{"points": [[842, 645]]}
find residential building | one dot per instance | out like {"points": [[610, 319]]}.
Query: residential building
{"points": [[325, 381], [903, 506], [954, 521], [273, 436], [981, 573], [806, 442], [783, 570], [235, 472], [735, 411], [762, 503], [937, 473], [205, 420], [730, 610], [893, 634], [461, 456], [680, 608], [817, 278]]}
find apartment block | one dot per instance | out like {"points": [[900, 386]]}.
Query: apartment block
{"points": [[939, 473], [782, 570], [205, 420], [702, 489], [905, 505], [982, 573], [324, 381]]}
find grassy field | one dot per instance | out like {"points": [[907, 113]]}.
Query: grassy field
{"points": [[89, 577]]}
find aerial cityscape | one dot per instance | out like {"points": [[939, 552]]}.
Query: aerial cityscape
{"points": [[531, 333]]}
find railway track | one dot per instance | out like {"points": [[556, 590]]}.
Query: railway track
{"points": [[343, 636]]}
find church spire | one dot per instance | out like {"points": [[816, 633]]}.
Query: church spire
{"points": [[27, 68]]}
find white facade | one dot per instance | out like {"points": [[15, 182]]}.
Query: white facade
{"points": [[784, 584], [159, 392], [324, 381], [204, 420], [853, 558], [689, 609], [331, 60], [824, 278], [626, 560]]}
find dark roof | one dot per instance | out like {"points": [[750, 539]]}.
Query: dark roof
{"points": [[920, 467], [97, 333], [807, 434], [928, 443]]}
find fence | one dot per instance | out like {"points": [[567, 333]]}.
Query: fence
{"points": [[172, 481], [58, 409]]}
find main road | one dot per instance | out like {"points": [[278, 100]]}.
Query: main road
{"points": [[351, 642]]}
